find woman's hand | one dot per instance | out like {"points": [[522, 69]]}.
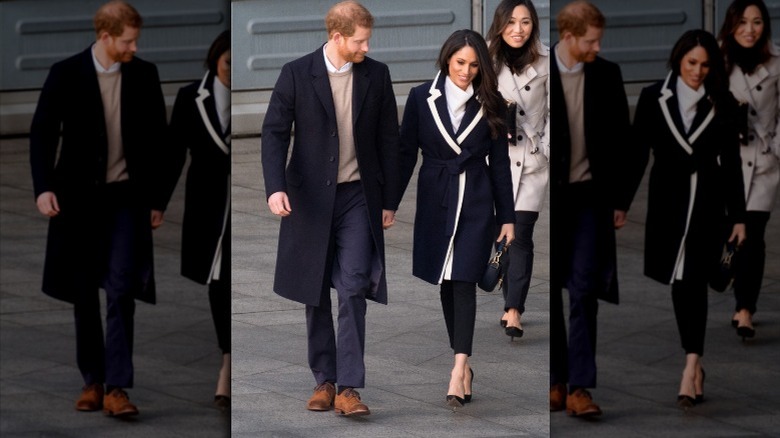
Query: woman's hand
{"points": [[738, 232], [47, 204], [508, 232]]}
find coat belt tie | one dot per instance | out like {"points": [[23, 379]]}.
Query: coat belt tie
{"points": [[454, 167]]}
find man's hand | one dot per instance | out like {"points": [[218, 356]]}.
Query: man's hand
{"points": [[620, 219], [157, 218], [388, 218], [279, 204], [47, 204]]}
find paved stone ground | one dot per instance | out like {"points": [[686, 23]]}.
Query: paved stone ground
{"points": [[176, 355], [640, 359], [407, 355]]}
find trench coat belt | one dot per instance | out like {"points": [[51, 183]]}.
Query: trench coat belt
{"points": [[454, 167]]}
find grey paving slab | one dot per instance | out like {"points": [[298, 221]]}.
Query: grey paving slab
{"points": [[176, 358], [407, 355]]}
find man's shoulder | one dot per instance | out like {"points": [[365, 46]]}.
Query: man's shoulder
{"points": [[304, 62], [140, 64], [604, 65], [71, 62], [373, 64]]}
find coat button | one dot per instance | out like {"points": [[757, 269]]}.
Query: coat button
{"points": [[332, 133], [522, 113], [327, 183], [527, 87], [750, 163], [752, 112], [758, 87], [332, 158], [751, 137], [519, 163], [519, 138]]}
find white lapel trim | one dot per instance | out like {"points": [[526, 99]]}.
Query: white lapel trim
{"points": [[666, 94], [435, 93], [700, 129], [203, 93]]}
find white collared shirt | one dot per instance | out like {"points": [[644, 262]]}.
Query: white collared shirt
{"points": [[562, 67], [99, 67], [456, 101], [331, 68], [687, 99]]}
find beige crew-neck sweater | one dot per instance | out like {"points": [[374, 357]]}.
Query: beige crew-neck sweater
{"points": [[110, 92], [341, 86], [574, 91]]}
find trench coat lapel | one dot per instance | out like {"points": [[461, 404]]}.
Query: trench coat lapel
{"points": [[360, 85], [208, 113], [321, 84], [88, 71]]}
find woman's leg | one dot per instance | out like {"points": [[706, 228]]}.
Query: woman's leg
{"points": [[750, 267]]}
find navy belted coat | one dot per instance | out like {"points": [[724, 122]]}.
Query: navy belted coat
{"points": [[461, 196]]}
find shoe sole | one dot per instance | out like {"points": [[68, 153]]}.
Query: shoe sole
{"points": [[88, 409], [120, 414], [318, 409], [584, 414], [341, 413]]}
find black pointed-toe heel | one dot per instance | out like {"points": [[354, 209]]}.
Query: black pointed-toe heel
{"points": [[700, 397], [514, 332], [454, 401], [467, 397], [685, 402], [746, 332]]}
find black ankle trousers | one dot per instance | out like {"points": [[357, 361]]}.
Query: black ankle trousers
{"points": [[459, 303]]}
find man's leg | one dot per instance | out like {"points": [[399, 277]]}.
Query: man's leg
{"points": [[583, 308], [120, 307], [90, 350], [352, 280]]}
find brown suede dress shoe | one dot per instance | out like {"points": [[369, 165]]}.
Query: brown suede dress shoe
{"points": [[348, 404], [322, 399], [91, 398], [117, 404], [580, 404], [557, 397]]}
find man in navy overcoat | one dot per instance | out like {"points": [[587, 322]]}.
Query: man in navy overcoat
{"points": [[591, 125], [338, 192], [99, 188]]}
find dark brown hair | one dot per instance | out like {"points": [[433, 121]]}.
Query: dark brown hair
{"points": [[499, 49], [746, 58], [220, 45], [485, 82], [716, 83]]}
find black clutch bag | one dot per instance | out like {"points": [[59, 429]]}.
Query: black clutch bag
{"points": [[494, 272], [723, 274]]}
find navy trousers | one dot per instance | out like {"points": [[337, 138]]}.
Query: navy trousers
{"points": [[750, 262], [575, 362], [517, 279], [338, 357], [110, 360]]}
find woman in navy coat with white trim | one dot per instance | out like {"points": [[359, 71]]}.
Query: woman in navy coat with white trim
{"points": [[200, 123], [457, 122], [695, 200]]}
